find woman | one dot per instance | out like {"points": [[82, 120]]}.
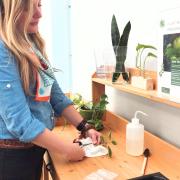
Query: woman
{"points": [[30, 96]]}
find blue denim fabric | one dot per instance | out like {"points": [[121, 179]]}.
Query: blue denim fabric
{"points": [[20, 116]]}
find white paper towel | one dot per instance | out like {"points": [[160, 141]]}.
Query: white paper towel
{"points": [[92, 150]]}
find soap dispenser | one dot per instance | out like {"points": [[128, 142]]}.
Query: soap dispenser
{"points": [[135, 136]]}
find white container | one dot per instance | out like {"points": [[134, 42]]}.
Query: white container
{"points": [[135, 136]]}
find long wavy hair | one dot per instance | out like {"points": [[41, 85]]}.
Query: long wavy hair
{"points": [[19, 42]]}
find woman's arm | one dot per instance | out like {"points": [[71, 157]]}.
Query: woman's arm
{"points": [[52, 142], [73, 116], [62, 105]]}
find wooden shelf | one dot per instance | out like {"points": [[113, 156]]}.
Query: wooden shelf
{"points": [[152, 95]]}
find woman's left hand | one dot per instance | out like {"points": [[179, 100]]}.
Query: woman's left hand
{"points": [[94, 135]]}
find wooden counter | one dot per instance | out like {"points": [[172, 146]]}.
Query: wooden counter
{"points": [[165, 158]]}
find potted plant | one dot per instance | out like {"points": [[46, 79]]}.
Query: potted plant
{"points": [[92, 112], [119, 44], [144, 53]]}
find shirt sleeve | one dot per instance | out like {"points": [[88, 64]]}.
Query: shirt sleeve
{"points": [[58, 99], [14, 108]]}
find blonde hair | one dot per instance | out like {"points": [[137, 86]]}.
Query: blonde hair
{"points": [[19, 42]]}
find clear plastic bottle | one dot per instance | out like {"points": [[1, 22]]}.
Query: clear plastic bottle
{"points": [[135, 136]]}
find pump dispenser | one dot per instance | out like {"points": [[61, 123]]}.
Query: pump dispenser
{"points": [[135, 136]]}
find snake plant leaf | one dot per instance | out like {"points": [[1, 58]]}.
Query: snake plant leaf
{"points": [[122, 49], [115, 76], [125, 76], [125, 35], [115, 35]]}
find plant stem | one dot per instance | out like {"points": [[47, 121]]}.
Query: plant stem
{"points": [[141, 60], [144, 66]]}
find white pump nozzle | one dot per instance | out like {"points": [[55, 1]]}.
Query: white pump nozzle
{"points": [[135, 120], [139, 112]]}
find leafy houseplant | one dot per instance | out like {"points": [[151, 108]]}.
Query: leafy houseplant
{"points": [[119, 44], [91, 112]]}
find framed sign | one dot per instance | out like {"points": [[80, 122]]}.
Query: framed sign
{"points": [[169, 55]]}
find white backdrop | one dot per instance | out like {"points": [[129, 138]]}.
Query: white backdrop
{"points": [[91, 20]]}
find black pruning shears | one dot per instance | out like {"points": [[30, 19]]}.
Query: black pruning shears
{"points": [[80, 143]]}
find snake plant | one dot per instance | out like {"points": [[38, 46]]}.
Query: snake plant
{"points": [[119, 44]]}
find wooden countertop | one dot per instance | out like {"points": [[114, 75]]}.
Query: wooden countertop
{"points": [[165, 158]]}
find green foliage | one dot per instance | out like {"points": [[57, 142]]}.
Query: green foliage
{"points": [[140, 51], [109, 152], [79, 102], [172, 51], [106, 140], [114, 142], [120, 46], [96, 109]]}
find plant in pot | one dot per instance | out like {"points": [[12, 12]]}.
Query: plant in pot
{"points": [[119, 44], [144, 53], [92, 112]]}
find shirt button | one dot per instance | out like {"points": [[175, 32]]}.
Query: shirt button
{"points": [[52, 117], [8, 85]]}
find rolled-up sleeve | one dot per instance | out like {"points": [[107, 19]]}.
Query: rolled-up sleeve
{"points": [[14, 108], [58, 99]]}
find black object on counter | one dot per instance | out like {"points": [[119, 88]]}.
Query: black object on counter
{"points": [[154, 176]]}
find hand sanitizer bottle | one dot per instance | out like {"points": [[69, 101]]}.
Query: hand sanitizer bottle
{"points": [[135, 136]]}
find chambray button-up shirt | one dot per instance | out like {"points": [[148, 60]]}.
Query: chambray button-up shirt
{"points": [[21, 117]]}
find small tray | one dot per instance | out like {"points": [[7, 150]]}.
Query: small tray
{"points": [[154, 176]]}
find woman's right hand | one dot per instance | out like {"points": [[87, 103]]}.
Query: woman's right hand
{"points": [[74, 152]]}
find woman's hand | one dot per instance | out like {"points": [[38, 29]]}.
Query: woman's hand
{"points": [[94, 135], [74, 152]]}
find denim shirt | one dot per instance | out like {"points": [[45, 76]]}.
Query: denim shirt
{"points": [[21, 117]]}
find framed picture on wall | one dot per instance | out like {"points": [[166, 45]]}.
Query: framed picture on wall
{"points": [[169, 54]]}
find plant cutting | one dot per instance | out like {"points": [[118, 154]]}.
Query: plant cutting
{"points": [[92, 112], [142, 56], [119, 44], [106, 140], [144, 53]]}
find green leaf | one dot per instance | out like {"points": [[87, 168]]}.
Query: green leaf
{"points": [[110, 135], [115, 35], [115, 76], [109, 152], [151, 55], [114, 142], [124, 38], [90, 121], [144, 46], [102, 140]]}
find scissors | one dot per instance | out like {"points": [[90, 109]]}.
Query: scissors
{"points": [[80, 143]]}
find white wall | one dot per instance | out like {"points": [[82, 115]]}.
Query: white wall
{"points": [[54, 27], [45, 30], [91, 20]]}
